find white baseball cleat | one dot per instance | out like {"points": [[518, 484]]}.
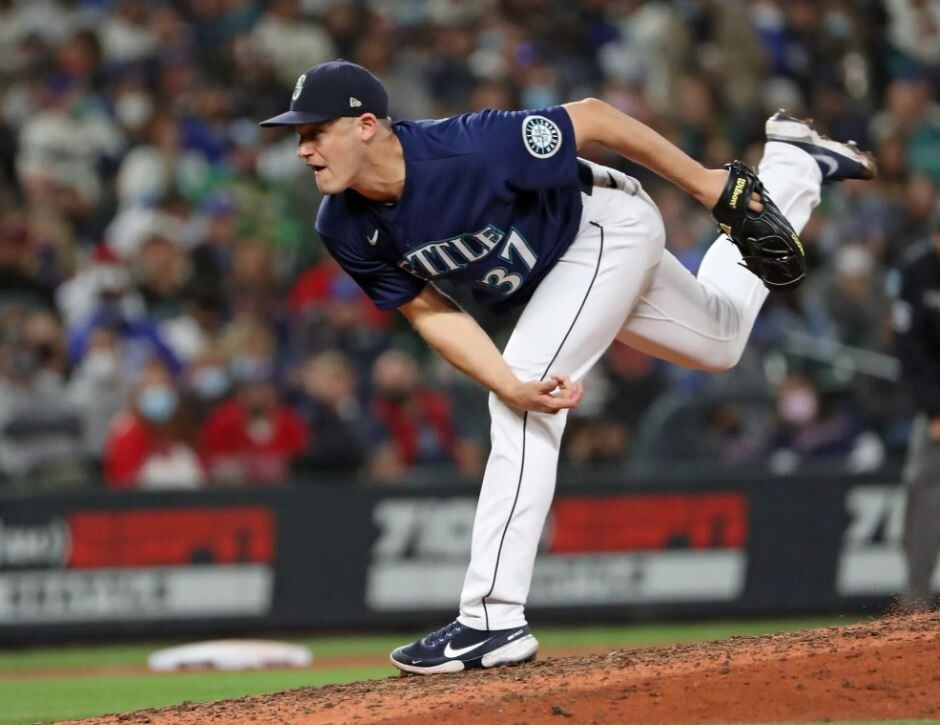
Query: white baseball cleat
{"points": [[836, 160]]}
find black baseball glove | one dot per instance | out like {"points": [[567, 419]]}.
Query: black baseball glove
{"points": [[769, 245]]}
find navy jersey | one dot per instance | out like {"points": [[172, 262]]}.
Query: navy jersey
{"points": [[491, 200]]}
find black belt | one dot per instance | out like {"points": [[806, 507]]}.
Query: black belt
{"points": [[585, 178], [587, 181]]}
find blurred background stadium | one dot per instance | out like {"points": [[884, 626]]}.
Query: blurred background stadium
{"points": [[161, 275], [205, 425]]}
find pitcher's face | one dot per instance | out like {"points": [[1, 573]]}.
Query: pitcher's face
{"points": [[334, 150]]}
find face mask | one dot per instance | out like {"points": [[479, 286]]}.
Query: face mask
{"points": [[100, 364], [134, 110], [44, 352], [210, 383], [798, 407], [23, 363], [396, 396], [260, 430], [111, 315], [157, 404], [250, 368], [258, 409], [538, 97], [838, 25]]}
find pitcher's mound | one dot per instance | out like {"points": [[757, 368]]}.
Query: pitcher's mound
{"points": [[888, 669]]}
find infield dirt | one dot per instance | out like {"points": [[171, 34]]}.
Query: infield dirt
{"points": [[888, 669]]}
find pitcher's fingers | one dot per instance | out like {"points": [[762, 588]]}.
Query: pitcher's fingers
{"points": [[546, 386], [570, 389], [561, 402], [564, 383]]}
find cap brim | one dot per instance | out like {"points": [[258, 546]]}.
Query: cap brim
{"points": [[297, 118]]}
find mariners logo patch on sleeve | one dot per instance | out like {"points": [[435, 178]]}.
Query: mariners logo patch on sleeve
{"points": [[541, 135]]}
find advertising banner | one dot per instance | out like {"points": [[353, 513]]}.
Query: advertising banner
{"points": [[342, 555], [613, 549], [125, 559]]}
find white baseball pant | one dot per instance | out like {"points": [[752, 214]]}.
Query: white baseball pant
{"points": [[616, 281]]}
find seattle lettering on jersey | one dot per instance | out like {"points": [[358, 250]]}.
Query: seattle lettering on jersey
{"points": [[436, 258]]}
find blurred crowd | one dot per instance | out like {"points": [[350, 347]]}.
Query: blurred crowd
{"points": [[168, 317]]}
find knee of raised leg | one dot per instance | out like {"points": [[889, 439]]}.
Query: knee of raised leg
{"points": [[722, 357]]}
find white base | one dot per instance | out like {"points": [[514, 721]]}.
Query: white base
{"points": [[230, 654]]}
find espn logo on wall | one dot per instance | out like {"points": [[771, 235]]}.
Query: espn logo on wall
{"points": [[636, 548], [150, 563], [154, 537], [623, 549]]}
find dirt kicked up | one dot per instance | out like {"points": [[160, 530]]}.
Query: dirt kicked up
{"points": [[889, 669]]}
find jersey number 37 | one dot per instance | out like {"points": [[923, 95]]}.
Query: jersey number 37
{"points": [[514, 249]]}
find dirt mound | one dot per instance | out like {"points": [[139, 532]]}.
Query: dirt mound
{"points": [[886, 669]]}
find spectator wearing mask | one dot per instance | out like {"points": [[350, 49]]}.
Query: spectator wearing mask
{"points": [[150, 444], [812, 429], [99, 388], [140, 338], [208, 381], [253, 437], [102, 295], [102, 280], [44, 335]]}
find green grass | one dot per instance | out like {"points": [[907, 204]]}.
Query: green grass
{"points": [[356, 645], [59, 697]]}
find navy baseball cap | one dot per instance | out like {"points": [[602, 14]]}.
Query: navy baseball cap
{"points": [[331, 90]]}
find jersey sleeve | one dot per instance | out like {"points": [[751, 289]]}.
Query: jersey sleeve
{"points": [[526, 150], [387, 285]]}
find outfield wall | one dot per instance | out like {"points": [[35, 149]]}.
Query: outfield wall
{"points": [[337, 555]]}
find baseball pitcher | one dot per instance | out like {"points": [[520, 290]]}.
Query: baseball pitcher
{"points": [[500, 201]]}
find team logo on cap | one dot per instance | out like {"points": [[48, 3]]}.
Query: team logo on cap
{"points": [[541, 135], [298, 87]]}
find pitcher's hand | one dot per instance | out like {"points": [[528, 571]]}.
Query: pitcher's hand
{"points": [[555, 393], [711, 184]]}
